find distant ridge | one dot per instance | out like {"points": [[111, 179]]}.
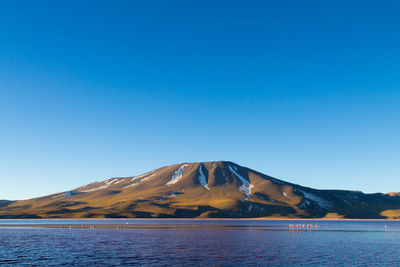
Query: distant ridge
{"points": [[218, 189]]}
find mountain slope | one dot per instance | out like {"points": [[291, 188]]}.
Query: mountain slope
{"points": [[204, 190], [5, 203]]}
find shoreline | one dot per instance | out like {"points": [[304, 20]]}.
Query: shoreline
{"points": [[165, 223], [196, 219]]}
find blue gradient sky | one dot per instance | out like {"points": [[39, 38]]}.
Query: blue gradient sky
{"points": [[306, 91]]}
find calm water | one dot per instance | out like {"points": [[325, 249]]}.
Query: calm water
{"points": [[199, 243]]}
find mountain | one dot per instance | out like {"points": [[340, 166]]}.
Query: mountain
{"points": [[4, 203], [203, 190]]}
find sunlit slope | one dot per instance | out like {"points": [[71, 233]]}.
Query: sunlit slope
{"points": [[203, 190]]}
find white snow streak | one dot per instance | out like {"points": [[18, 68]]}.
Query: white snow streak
{"points": [[96, 188], [67, 194], [320, 201], [348, 203], [144, 178], [246, 185], [71, 193], [140, 176], [177, 175], [120, 180], [106, 184], [202, 178]]}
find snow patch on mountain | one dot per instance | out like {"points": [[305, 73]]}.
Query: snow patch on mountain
{"points": [[250, 207], [144, 178], [140, 176], [119, 180], [348, 203], [67, 194], [177, 174], [106, 184], [323, 203], [304, 204], [96, 188], [71, 193], [246, 185], [202, 178]]}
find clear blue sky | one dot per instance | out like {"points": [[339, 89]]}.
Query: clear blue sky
{"points": [[306, 91]]}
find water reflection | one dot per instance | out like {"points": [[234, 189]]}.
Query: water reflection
{"points": [[198, 243]]}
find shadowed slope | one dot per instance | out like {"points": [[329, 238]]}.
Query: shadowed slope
{"points": [[5, 203]]}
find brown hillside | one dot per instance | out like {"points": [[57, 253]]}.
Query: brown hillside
{"points": [[203, 190]]}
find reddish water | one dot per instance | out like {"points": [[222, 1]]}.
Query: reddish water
{"points": [[223, 243]]}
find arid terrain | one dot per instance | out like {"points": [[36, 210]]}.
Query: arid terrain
{"points": [[203, 190]]}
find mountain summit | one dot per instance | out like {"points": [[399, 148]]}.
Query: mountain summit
{"points": [[220, 189]]}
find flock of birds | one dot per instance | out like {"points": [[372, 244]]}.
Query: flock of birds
{"points": [[298, 226], [304, 226], [89, 226]]}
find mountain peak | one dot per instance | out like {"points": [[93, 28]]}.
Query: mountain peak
{"points": [[218, 163]]}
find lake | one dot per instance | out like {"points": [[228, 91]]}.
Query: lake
{"points": [[199, 242]]}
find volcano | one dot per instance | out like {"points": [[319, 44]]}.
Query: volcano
{"points": [[219, 189]]}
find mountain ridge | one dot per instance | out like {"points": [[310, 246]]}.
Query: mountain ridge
{"points": [[214, 189]]}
